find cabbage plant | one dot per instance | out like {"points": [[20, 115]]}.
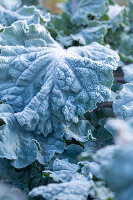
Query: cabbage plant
{"points": [[66, 101]]}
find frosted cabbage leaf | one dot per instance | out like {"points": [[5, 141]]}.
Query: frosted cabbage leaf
{"points": [[29, 14], [128, 72], [116, 161], [116, 167], [47, 86], [79, 131], [11, 5], [16, 4], [62, 170], [123, 104], [23, 147], [121, 129], [77, 189], [94, 32], [84, 8]]}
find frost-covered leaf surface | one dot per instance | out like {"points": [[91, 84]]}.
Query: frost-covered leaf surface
{"points": [[11, 6], [78, 131], [128, 73], [50, 87], [48, 147], [119, 19], [101, 192], [22, 146], [95, 32], [30, 14], [62, 170], [114, 10], [70, 190], [16, 4], [92, 167], [18, 145], [123, 104], [81, 9], [61, 101]]}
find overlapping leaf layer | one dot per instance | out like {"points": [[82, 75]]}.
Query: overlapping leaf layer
{"points": [[61, 80]]}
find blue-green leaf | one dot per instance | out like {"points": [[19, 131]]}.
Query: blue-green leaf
{"points": [[123, 104], [128, 73], [117, 166], [81, 9], [16, 4], [11, 5], [30, 14], [73, 190], [62, 170]]}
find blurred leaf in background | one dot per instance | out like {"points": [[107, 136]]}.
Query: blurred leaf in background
{"points": [[52, 5]]}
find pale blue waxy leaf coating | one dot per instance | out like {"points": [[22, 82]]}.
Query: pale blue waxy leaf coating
{"points": [[62, 170], [76, 189], [24, 147], [123, 104], [30, 14], [128, 73], [49, 87]]}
